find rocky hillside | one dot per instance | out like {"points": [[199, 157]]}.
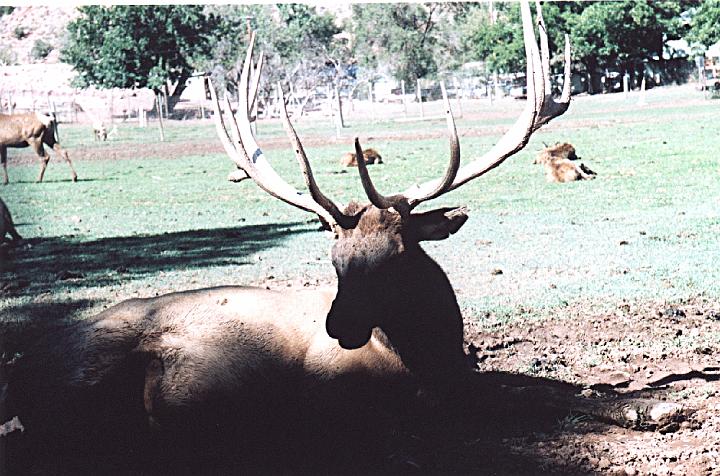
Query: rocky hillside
{"points": [[26, 27]]}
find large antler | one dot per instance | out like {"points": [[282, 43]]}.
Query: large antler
{"points": [[540, 109], [243, 149]]}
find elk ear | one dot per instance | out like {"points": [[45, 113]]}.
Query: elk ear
{"points": [[437, 224]]}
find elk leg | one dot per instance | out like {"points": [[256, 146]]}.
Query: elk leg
{"points": [[37, 146], [153, 379], [3, 159], [61, 152]]}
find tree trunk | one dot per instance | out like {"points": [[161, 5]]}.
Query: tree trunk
{"points": [[338, 104], [174, 98], [159, 114]]}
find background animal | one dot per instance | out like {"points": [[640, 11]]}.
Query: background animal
{"points": [[371, 156], [100, 131], [7, 227], [558, 161], [558, 151], [31, 129]]}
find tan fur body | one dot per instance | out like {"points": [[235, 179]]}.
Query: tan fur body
{"points": [[232, 369], [563, 171], [559, 166], [33, 130], [7, 227], [371, 156], [227, 367], [557, 151]]}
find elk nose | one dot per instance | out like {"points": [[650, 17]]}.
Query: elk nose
{"points": [[331, 326]]}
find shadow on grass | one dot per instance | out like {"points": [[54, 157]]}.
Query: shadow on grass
{"points": [[48, 264]]}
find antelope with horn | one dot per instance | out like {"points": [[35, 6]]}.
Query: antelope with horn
{"points": [[185, 377]]}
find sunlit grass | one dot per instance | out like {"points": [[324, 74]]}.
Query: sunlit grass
{"points": [[647, 227]]}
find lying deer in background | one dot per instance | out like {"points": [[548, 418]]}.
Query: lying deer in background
{"points": [[559, 166], [370, 156], [7, 227], [558, 151], [192, 378], [30, 129]]}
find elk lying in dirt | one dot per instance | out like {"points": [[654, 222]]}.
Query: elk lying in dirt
{"points": [[559, 166], [370, 156], [30, 129], [243, 372], [7, 227]]}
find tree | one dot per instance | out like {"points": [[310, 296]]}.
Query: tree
{"points": [[138, 46], [299, 45], [625, 34], [614, 35], [400, 36], [498, 41], [705, 23]]}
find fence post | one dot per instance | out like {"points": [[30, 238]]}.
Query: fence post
{"points": [[641, 101], [457, 96], [625, 86], [419, 96], [160, 119]]}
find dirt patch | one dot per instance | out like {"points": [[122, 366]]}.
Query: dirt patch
{"points": [[648, 350]]}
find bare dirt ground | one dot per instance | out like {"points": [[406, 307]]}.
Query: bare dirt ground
{"points": [[647, 350]]}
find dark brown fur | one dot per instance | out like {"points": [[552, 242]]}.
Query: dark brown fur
{"points": [[248, 373], [371, 156], [34, 130]]}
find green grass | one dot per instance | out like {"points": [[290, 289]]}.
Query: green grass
{"points": [[150, 224]]}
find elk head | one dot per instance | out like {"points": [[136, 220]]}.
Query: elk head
{"points": [[384, 277]]}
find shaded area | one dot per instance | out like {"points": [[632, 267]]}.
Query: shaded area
{"points": [[488, 427], [48, 264]]}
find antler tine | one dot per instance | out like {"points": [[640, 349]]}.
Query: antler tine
{"points": [[222, 130], [256, 82], [539, 107], [552, 108], [243, 93], [399, 202], [254, 163], [454, 164], [544, 46], [343, 220]]}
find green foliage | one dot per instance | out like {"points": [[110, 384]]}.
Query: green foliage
{"points": [[603, 34], [40, 49], [295, 40], [5, 10], [625, 31], [399, 36], [137, 46], [499, 43], [705, 23]]}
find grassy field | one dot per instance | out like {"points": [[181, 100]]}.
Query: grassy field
{"points": [[150, 222]]}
